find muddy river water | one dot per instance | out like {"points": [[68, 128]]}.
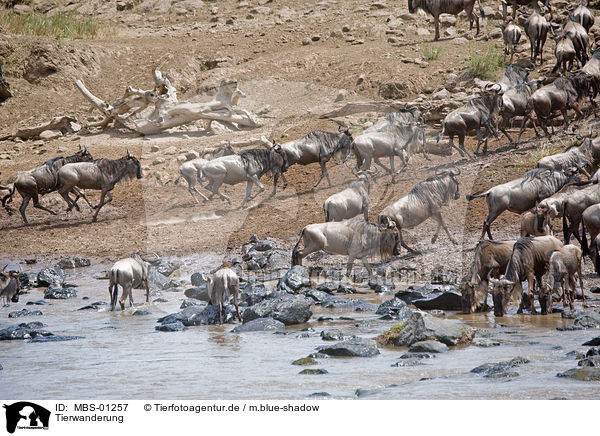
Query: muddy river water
{"points": [[121, 356]]}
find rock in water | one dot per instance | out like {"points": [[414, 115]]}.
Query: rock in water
{"points": [[357, 305], [53, 293], [51, 277], [492, 369], [593, 342], [428, 347], [294, 278], [198, 293], [305, 361], [73, 262], [313, 371], [199, 279], [586, 373], [199, 315], [253, 293], [159, 281], [170, 327], [260, 325], [25, 312], [395, 308], [429, 297], [289, 309], [355, 347]]}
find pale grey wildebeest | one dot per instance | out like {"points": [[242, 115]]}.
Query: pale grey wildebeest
{"points": [[522, 194], [529, 261], [489, 261], [564, 264], [424, 200], [512, 35], [477, 113], [437, 7], [41, 180], [574, 206], [535, 223], [246, 166], [591, 221], [401, 134], [101, 174], [351, 201], [130, 273], [513, 75], [585, 156], [191, 171], [319, 146], [223, 283], [9, 286], [355, 238]]}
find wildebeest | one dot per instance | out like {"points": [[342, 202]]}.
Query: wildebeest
{"points": [[528, 261], [564, 264], [565, 54], [9, 287], [489, 261], [522, 194], [246, 166], [477, 113], [355, 238], [224, 282], [516, 3], [101, 174], [401, 133], [591, 221], [574, 206], [513, 75], [130, 273], [580, 38], [424, 200], [584, 156], [350, 202], [535, 223], [592, 68], [584, 16], [437, 7], [319, 146], [42, 180], [562, 94], [512, 35], [514, 103], [536, 28]]}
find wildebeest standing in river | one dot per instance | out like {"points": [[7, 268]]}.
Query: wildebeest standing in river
{"points": [[438, 7], [424, 200], [42, 180], [522, 194], [101, 174], [130, 273]]}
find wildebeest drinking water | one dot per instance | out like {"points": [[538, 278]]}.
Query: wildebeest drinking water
{"points": [[246, 166], [101, 174], [41, 180], [424, 200]]}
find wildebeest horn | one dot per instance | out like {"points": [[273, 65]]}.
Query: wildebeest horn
{"points": [[128, 153]]}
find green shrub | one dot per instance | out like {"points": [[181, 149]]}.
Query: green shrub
{"points": [[486, 65], [431, 53]]}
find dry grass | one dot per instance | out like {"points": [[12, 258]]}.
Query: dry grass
{"points": [[60, 25]]}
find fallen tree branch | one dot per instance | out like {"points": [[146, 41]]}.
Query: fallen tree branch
{"points": [[59, 123]]}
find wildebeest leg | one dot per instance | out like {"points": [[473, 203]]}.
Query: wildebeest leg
{"points": [[378, 162], [451, 144], [80, 194], [123, 298], [365, 262], [531, 291], [24, 204], [105, 193], [479, 140], [502, 126], [237, 308], [324, 173], [461, 144], [214, 188], [579, 275], [440, 221], [403, 244], [36, 203], [436, 19]]}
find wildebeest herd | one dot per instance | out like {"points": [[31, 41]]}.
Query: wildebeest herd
{"points": [[562, 185]]}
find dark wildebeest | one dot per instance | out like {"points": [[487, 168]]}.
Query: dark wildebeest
{"points": [[535, 223], [564, 264], [130, 273], [591, 221], [511, 34], [522, 194], [319, 147], [584, 16], [536, 28], [350, 202], [584, 156], [528, 261], [437, 7], [562, 94], [580, 38], [401, 133], [533, 4], [477, 113], [565, 54], [246, 166], [514, 103], [9, 287], [42, 180], [223, 283], [101, 174], [355, 238], [424, 200], [490, 260], [574, 206], [592, 68]]}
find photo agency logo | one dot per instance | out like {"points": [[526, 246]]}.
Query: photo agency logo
{"points": [[26, 415]]}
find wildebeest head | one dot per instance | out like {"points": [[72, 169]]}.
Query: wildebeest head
{"points": [[133, 166], [411, 7], [388, 240], [467, 298], [545, 298], [542, 216], [343, 149], [11, 279], [84, 155], [453, 185], [278, 157], [582, 82], [502, 291]]}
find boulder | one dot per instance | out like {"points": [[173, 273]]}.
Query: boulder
{"points": [[199, 279], [294, 278], [53, 293], [333, 335], [357, 305], [23, 331], [73, 262], [355, 347], [93, 306], [141, 313], [407, 363], [485, 343], [305, 361], [160, 281], [199, 315], [289, 309], [197, 293], [167, 266], [585, 373], [590, 361], [54, 338], [260, 325], [588, 320], [428, 347], [421, 326], [593, 342], [379, 285], [38, 303], [428, 297], [54, 276], [413, 355], [24, 312], [395, 308], [174, 326], [313, 371], [316, 295], [489, 369], [191, 302], [253, 293]]}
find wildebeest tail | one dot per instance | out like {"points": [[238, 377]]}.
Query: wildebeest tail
{"points": [[439, 137], [112, 287], [585, 249], [597, 262], [295, 250], [470, 197], [566, 234], [8, 197], [481, 9]]}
